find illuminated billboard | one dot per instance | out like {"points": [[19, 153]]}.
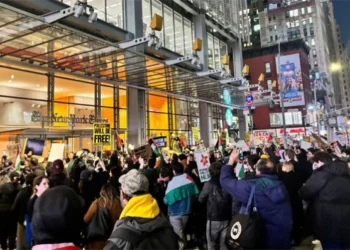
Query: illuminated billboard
{"points": [[292, 80]]}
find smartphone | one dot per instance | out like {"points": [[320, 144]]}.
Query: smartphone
{"points": [[241, 156]]}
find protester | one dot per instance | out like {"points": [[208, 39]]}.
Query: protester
{"points": [[328, 189], [87, 189], [71, 158], [58, 177], [40, 185], [271, 197], [8, 219], [57, 219], [141, 225], [218, 203], [293, 183], [19, 208], [114, 175], [109, 199], [179, 196], [77, 168]]}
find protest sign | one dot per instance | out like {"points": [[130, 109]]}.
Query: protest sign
{"points": [[56, 152], [102, 134], [160, 141], [202, 160], [196, 136]]}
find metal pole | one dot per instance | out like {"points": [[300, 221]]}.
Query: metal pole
{"points": [[281, 94], [252, 146], [315, 103]]}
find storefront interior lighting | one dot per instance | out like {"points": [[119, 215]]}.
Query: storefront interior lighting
{"points": [[152, 40], [12, 76], [77, 10]]}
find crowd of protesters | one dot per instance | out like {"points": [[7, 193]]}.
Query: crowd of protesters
{"points": [[96, 201]]}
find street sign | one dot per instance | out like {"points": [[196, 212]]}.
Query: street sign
{"points": [[249, 99], [102, 134]]}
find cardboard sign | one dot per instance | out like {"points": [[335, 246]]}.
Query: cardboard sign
{"points": [[56, 152], [196, 136], [144, 152], [242, 145], [202, 160], [102, 134], [305, 145], [160, 141]]}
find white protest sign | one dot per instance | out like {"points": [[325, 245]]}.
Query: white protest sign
{"points": [[56, 152], [242, 145], [202, 160], [305, 145]]}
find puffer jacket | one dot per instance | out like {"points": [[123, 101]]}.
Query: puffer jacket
{"points": [[272, 201], [141, 225], [328, 189]]}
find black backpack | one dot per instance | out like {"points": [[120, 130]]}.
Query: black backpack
{"points": [[246, 230], [219, 203], [157, 239]]}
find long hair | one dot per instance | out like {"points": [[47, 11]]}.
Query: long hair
{"points": [[108, 196], [36, 182]]}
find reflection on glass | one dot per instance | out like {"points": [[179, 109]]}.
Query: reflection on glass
{"points": [[223, 51], [169, 28], [180, 107], [216, 53], [115, 12], [179, 34], [157, 9], [188, 36], [146, 16], [210, 51], [181, 122]]}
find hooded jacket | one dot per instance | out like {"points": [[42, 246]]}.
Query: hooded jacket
{"points": [[272, 204], [329, 190], [142, 215]]}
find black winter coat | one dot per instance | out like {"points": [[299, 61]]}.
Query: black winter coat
{"points": [[329, 190], [8, 193], [60, 180], [19, 207], [218, 200]]}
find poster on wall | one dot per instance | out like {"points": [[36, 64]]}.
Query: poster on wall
{"points": [[292, 81], [202, 160]]}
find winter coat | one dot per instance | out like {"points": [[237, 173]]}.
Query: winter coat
{"points": [[272, 204], [218, 200], [329, 190], [141, 218], [60, 179], [19, 207], [293, 183], [8, 193]]}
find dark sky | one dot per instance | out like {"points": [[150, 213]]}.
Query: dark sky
{"points": [[342, 14]]}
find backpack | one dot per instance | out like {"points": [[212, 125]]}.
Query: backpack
{"points": [[157, 239], [219, 203], [246, 230]]}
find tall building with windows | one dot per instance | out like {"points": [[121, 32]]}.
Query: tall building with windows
{"points": [[58, 78]]}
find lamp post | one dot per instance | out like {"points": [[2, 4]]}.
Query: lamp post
{"points": [[281, 93]]}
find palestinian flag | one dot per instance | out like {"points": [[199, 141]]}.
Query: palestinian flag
{"points": [[154, 148], [180, 188], [18, 160], [240, 171], [119, 140]]}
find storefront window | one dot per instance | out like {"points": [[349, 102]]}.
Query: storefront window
{"points": [[169, 28], [70, 91], [123, 121], [217, 57], [182, 122], [158, 104], [16, 83], [180, 107], [179, 34], [158, 120]]}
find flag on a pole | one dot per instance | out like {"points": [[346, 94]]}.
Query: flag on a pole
{"points": [[155, 149], [18, 160], [119, 140]]}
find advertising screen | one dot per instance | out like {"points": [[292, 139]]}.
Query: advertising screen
{"points": [[292, 81]]}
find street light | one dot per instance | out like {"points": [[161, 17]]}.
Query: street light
{"points": [[335, 67]]}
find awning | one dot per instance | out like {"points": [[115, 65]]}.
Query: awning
{"points": [[25, 39]]}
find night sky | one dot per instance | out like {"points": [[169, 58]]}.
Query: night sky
{"points": [[341, 12]]}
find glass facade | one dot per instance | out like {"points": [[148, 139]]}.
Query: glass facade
{"points": [[177, 32], [110, 11], [216, 50]]}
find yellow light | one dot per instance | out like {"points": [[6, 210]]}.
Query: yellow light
{"points": [[335, 67], [225, 59], [274, 84], [261, 77], [245, 70]]}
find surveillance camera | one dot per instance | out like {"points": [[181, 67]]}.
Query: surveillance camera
{"points": [[79, 10], [150, 41]]}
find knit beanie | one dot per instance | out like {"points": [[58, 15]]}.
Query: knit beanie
{"points": [[58, 216]]}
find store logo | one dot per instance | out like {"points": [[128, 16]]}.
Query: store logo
{"points": [[72, 119]]}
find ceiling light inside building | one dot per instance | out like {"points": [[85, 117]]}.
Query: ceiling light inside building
{"points": [[12, 76], [33, 105], [38, 85]]}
